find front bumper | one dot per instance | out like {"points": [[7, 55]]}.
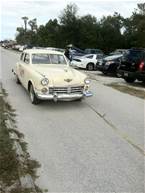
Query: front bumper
{"points": [[137, 75], [101, 67], [66, 97]]}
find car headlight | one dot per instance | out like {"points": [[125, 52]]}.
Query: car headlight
{"points": [[109, 62], [44, 81], [87, 81]]}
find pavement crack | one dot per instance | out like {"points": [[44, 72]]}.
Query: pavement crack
{"points": [[121, 134]]}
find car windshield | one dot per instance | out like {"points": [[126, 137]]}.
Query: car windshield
{"points": [[93, 51], [48, 59]]}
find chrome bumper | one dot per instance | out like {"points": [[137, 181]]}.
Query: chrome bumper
{"points": [[68, 97]]}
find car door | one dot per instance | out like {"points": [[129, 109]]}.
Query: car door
{"points": [[19, 67], [98, 59], [23, 69]]}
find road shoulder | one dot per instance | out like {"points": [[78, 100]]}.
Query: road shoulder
{"points": [[17, 169]]}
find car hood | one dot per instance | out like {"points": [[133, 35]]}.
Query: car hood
{"points": [[113, 57], [62, 75]]}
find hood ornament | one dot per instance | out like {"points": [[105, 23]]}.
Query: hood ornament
{"points": [[68, 80]]}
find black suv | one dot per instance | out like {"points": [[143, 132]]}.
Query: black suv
{"points": [[109, 64], [132, 65]]}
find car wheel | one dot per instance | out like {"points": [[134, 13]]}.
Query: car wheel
{"points": [[90, 66], [118, 75], [129, 80], [33, 98], [17, 80], [105, 73]]}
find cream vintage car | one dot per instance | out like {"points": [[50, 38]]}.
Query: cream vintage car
{"points": [[46, 75]]}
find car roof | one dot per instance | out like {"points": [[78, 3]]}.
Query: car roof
{"points": [[137, 49], [41, 51]]}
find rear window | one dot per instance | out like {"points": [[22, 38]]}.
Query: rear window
{"points": [[134, 55]]}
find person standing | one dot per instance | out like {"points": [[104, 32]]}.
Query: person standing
{"points": [[67, 53]]}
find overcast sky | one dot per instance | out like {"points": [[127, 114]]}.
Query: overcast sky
{"points": [[11, 11]]}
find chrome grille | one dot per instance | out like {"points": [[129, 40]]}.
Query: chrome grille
{"points": [[66, 90]]}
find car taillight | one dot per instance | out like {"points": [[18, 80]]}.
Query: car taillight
{"points": [[141, 66]]}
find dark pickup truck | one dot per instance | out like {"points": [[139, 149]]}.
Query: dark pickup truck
{"points": [[132, 66]]}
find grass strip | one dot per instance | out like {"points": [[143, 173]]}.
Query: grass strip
{"points": [[127, 89], [10, 167]]}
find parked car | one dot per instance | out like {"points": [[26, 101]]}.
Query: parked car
{"points": [[118, 52], [74, 52], [23, 47], [16, 47], [55, 49], [109, 64], [132, 66], [87, 61], [93, 51], [46, 75]]}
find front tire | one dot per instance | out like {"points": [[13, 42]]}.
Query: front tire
{"points": [[33, 98], [118, 75], [17, 80], [129, 80], [90, 66], [105, 72]]}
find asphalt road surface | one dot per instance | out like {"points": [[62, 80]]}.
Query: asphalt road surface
{"points": [[96, 145]]}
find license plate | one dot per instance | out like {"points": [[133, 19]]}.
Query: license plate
{"points": [[125, 74]]}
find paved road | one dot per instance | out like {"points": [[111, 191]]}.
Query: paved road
{"points": [[91, 146]]}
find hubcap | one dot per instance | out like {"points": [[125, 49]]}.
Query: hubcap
{"points": [[90, 67]]}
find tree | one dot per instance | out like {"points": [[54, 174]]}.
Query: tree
{"points": [[141, 8], [69, 27], [88, 32], [108, 33], [111, 32], [135, 27], [33, 24], [49, 34], [69, 14], [25, 22]]}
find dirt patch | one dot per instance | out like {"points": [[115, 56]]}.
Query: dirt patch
{"points": [[127, 89], [11, 170]]}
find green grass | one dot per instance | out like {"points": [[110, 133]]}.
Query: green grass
{"points": [[8, 161], [10, 167], [129, 90]]}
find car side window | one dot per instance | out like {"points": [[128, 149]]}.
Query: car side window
{"points": [[99, 56], [27, 58], [90, 56]]}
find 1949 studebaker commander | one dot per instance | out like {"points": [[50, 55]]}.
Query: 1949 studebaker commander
{"points": [[47, 75]]}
